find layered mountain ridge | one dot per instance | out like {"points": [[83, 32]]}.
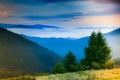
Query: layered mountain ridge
{"points": [[62, 45]]}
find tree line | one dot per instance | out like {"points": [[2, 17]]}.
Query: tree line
{"points": [[97, 56]]}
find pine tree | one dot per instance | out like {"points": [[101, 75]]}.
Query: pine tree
{"points": [[70, 62], [97, 54], [58, 68]]}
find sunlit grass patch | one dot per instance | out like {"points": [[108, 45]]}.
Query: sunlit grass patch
{"points": [[113, 74]]}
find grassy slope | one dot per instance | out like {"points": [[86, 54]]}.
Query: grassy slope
{"points": [[113, 74]]}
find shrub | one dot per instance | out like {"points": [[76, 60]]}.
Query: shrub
{"points": [[109, 64], [95, 65]]}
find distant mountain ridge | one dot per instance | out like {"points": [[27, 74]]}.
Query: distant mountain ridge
{"points": [[62, 45], [113, 33], [21, 56], [37, 26]]}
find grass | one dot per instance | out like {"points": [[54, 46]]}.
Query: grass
{"points": [[21, 78], [113, 74]]}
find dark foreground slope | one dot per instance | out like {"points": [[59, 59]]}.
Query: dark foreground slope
{"points": [[21, 56]]}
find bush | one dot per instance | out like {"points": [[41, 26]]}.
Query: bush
{"points": [[109, 64], [82, 67], [96, 65]]}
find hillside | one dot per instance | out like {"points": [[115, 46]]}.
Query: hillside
{"points": [[77, 45], [21, 56], [112, 74]]}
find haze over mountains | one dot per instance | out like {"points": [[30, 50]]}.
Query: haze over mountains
{"points": [[47, 31], [62, 45], [21, 56], [113, 39]]}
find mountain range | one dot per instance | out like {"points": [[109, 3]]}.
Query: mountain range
{"points": [[62, 45], [21, 26], [20, 56]]}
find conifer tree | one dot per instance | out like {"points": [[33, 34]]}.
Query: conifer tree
{"points": [[70, 62], [58, 68], [97, 53]]}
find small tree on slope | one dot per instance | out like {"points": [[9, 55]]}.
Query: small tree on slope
{"points": [[70, 62], [58, 68]]}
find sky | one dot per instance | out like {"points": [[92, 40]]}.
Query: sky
{"points": [[68, 15]]}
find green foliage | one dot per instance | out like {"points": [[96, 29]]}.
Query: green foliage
{"points": [[70, 62], [95, 65], [97, 53], [109, 64], [58, 68], [82, 67]]}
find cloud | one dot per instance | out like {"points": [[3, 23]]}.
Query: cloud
{"points": [[117, 1], [55, 12], [106, 1], [41, 2], [34, 2], [62, 16], [76, 15], [98, 21], [57, 0], [3, 10], [105, 11], [58, 33]]}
